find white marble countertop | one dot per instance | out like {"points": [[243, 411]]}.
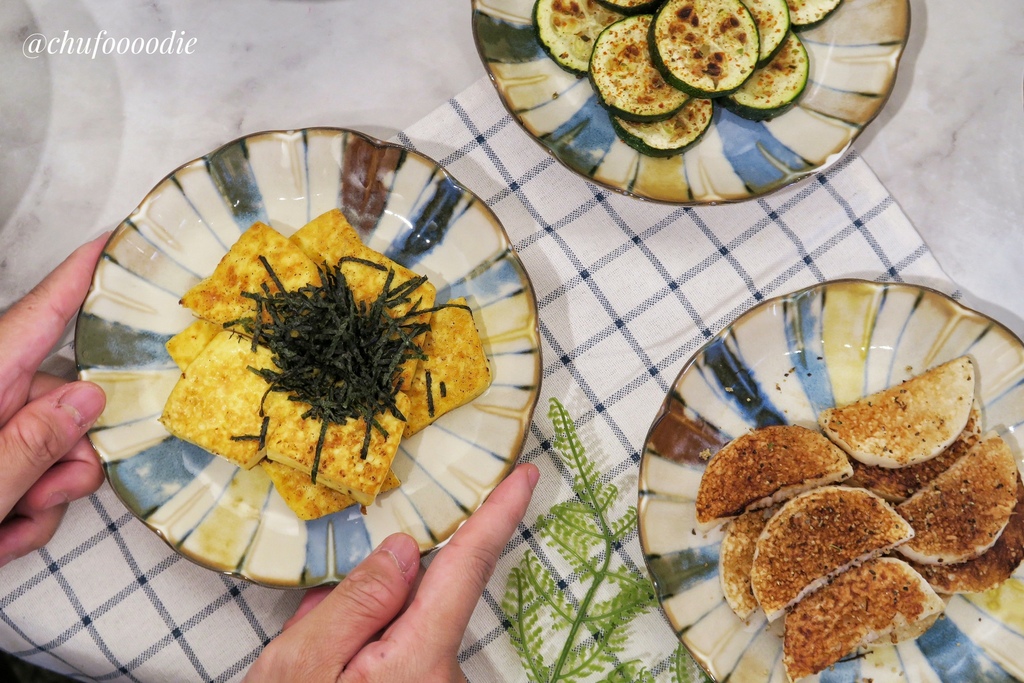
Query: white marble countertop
{"points": [[85, 138]]}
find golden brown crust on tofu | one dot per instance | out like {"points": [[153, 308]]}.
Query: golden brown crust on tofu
{"points": [[766, 466], [908, 423], [292, 440], [736, 557], [308, 500], [899, 483], [218, 397], [187, 344], [884, 599], [328, 238], [992, 568], [817, 535], [455, 371], [219, 299], [961, 514]]}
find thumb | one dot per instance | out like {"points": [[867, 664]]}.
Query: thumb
{"points": [[319, 644], [41, 433]]}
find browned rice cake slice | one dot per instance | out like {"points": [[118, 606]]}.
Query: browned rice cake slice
{"points": [[908, 423], [816, 536], [962, 512], [881, 600], [764, 467]]}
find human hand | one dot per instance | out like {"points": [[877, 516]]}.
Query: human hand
{"points": [[45, 457], [380, 624]]}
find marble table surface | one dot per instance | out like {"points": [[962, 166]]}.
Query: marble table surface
{"points": [[83, 138]]}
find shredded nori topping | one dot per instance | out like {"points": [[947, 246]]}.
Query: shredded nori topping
{"points": [[342, 357]]}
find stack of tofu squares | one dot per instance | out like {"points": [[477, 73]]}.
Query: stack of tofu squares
{"points": [[220, 397]]}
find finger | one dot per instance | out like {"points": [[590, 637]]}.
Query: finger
{"points": [[76, 475], [43, 383], [311, 599], [452, 585], [41, 433], [29, 330], [21, 535], [320, 644]]}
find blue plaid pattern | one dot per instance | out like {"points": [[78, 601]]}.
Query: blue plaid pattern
{"points": [[627, 290]]}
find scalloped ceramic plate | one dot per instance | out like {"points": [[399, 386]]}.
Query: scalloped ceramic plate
{"points": [[783, 362], [402, 204], [854, 55]]}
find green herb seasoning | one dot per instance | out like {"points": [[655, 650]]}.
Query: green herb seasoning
{"points": [[342, 357]]}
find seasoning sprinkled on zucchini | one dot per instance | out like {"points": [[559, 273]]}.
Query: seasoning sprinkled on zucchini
{"points": [[706, 48], [806, 14], [772, 19], [773, 89], [671, 136], [567, 30], [624, 77]]}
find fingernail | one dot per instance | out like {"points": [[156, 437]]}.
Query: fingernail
{"points": [[55, 499], [84, 401], [532, 475], [405, 552]]}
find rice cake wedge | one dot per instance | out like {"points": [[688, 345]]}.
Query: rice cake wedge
{"points": [[218, 398], [991, 568], [189, 343], [308, 500], [817, 536], [764, 467], [455, 371], [292, 440], [883, 600], [329, 238], [896, 484], [909, 423], [961, 514], [736, 557], [218, 298]]}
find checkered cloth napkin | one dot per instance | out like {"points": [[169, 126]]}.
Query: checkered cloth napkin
{"points": [[626, 291]]}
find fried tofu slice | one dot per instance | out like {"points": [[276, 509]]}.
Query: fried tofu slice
{"points": [[455, 371], [817, 536], [218, 298], [308, 500], [218, 398], [189, 343], [329, 238], [962, 512], [764, 467], [909, 423], [883, 600], [292, 440]]}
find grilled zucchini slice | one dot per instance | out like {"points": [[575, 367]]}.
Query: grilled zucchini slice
{"points": [[772, 19], [806, 14], [671, 136], [629, 7], [567, 30], [624, 77], [773, 89], [706, 48]]}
